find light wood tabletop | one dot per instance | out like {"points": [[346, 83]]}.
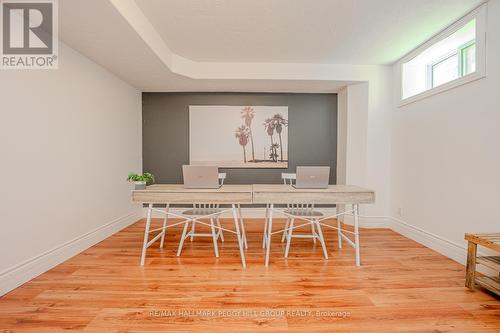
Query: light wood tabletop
{"points": [[334, 194], [177, 193]]}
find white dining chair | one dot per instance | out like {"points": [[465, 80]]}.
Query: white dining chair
{"points": [[298, 211], [200, 210], [204, 209], [289, 179], [222, 177]]}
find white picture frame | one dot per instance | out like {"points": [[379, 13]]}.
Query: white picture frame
{"points": [[238, 136]]}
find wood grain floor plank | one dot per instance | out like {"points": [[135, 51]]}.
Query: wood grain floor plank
{"points": [[401, 287]]}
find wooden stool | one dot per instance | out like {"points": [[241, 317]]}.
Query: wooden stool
{"points": [[490, 241]]}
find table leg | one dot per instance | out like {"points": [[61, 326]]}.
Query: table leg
{"points": [[470, 274], [146, 234], [340, 210], [264, 236], [164, 231], [183, 237], [269, 232], [339, 231], [321, 239], [214, 237], [313, 233], [220, 233], [285, 232], [356, 233], [243, 231], [193, 227], [289, 233], [238, 235]]}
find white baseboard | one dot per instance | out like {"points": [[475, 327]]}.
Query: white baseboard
{"points": [[445, 247], [439, 244], [19, 274], [369, 221]]}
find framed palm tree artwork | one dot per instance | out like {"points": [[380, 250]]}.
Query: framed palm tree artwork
{"points": [[238, 136]]}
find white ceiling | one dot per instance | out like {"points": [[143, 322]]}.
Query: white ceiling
{"points": [[310, 31], [204, 36]]}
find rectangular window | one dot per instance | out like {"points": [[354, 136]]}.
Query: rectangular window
{"points": [[445, 70], [468, 58], [447, 60], [457, 64]]}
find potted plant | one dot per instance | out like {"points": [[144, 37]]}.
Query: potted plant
{"points": [[141, 181]]}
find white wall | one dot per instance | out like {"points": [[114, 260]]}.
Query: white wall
{"points": [[68, 138], [364, 143], [446, 158], [342, 136], [378, 147]]}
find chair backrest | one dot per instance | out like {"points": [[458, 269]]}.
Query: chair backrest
{"points": [[205, 205], [288, 178], [222, 177], [297, 207]]}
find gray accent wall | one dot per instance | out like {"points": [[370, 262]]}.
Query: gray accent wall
{"points": [[312, 133]]}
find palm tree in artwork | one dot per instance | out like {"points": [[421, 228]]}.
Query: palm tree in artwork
{"points": [[269, 125], [273, 155], [242, 133], [279, 123], [248, 113]]}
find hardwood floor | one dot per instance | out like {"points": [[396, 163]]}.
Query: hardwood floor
{"points": [[401, 287]]}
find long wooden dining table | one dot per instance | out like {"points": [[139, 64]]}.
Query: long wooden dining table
{"points": [[271, 195]]}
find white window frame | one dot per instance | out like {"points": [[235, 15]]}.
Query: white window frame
{"points": [[430, 69], [480, 15]]}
